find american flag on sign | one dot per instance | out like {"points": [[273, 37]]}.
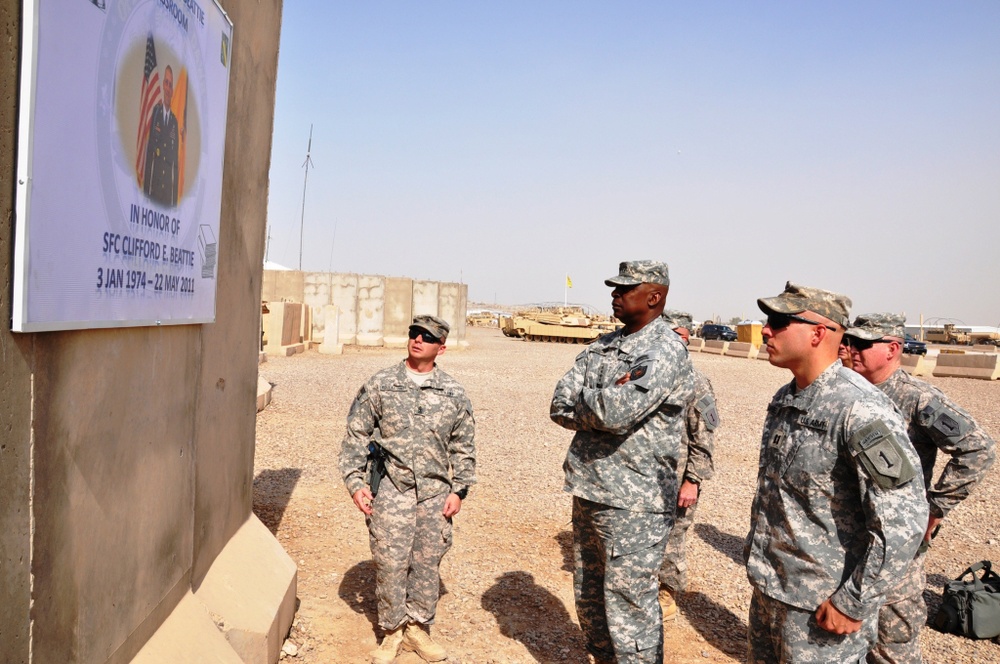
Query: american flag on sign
{"points": [[148, 98]]}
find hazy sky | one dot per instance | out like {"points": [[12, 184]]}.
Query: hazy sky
{"points": [[853, 146]]}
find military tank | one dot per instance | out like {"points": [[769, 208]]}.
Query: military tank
{"points": [[568, 325]]}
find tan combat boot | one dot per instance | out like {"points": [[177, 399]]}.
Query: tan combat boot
{"points": [[386, 652], [668, 604], [417, 640]]}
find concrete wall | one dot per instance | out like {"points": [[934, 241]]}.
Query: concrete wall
{"points": [[374, 310], [141, 439]]}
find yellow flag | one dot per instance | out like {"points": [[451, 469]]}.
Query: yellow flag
{"points": [[569, 282]]}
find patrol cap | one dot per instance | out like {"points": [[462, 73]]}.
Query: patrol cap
{"points": [[633, 273], [676, 319], [873, 327], [432, 324], [795, 299]]}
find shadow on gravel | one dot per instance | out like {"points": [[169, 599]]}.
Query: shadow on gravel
{"points": [[933, 590], [357, 589], [717, 624], [534, 617], [565, 540], [272, 489], [730, 545]]}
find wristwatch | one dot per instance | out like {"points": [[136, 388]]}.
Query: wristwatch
{"points": [[462, 493]]}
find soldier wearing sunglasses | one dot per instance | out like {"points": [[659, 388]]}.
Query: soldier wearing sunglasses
{"points": [[422, 420], [839, 510], [934, 423]]}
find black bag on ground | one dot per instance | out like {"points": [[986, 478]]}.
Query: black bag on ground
{"points": [[971, 607]]}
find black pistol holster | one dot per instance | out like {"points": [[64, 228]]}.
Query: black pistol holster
{"points": [[376, 466]]}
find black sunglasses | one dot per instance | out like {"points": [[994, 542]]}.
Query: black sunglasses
{"points": [[423, 334], [777, 321], [863, 344]]}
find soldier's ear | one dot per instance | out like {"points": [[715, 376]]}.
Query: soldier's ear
{"points": [[441, 350]]}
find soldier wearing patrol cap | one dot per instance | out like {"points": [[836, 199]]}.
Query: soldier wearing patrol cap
{"points": [[839, 510], [702, 419], [625, 398], [934, 423], [422, 420]]}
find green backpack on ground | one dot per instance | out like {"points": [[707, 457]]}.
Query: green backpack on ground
{"points": [[971, 607]]}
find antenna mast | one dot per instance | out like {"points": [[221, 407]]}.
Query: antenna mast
{"points": [[305, 165]]}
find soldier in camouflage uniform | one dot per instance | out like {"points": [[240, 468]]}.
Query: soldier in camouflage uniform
{"points": [[839, 510], [423, 421], [696, 459], [625, 399], [934, 422]]}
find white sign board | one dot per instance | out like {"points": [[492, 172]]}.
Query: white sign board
{"points": [[121, 135]]}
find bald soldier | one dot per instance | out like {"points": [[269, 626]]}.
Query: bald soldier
{"points": [[840, 508], [934, 423], [701, 420], [625, 398]]}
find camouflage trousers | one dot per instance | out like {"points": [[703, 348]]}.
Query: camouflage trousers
{"points": [[900, 619], [617, 554], [673, 571], [783, 634], [408, 540]]}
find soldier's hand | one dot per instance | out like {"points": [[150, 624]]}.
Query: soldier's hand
{"points": [[363, 499], [688, 495], [831, 619], [932, 524], [451, 505]]}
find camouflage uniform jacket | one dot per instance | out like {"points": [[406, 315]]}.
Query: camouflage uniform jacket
{"points": [[702, 421], [839, 511], [425, 431], [625, 398], [936, 423]]}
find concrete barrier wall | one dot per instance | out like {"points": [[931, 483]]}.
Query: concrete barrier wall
{"points": [[917, 365], [398, 310], [716, 347], [344, 295], [127, 466], [743, 349], [986, 367], [373, 310], [695, 344]]}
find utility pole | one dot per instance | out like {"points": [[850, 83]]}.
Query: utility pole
{"points": [[305, 165]]}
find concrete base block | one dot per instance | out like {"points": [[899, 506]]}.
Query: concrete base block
{"points": [[263, 393], [188, 635], [985, 367], [395, 341], [331, 349], [695, 345], [985, 348], [366, 339], [916, 365], [743, 349], [716, 347], [250, 588], [261, 357]]}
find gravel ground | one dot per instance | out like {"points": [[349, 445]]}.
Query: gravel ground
{"points": [[507, 588]]}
